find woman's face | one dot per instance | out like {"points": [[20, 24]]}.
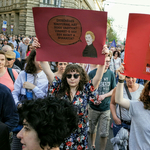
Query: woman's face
{"points": [[29, 137], [30, 48], [130, 81], [88, 39], [73, 79], [2, 61], [116, 55], [62, 66]]}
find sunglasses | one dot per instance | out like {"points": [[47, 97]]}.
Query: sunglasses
{"points": [[69, 76], [9, 59]]}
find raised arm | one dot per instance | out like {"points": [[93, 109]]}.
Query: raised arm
{"points": [[47, 70], [113, 108], [44, 64], [119, 91], [100, 70]]}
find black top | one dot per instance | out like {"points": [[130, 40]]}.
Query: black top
{"points": [[89, 51]]}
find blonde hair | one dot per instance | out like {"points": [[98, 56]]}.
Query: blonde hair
{"points": [[91, 33]]}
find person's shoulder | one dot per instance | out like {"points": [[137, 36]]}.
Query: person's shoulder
{"points": [[136, 103], [141, 87], [4, 89], [22, 72], [93, 71], [110, 72]]}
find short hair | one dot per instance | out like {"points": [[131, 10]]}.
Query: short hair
{"points": [[3, 53], [5, 40], [30, 67], [144, 96], [26, 39], [6, 47], [115, 53], [53, 119], [91, 33], [11, 45]]}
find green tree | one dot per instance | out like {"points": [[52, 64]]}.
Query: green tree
{"points": [[111, 34]]}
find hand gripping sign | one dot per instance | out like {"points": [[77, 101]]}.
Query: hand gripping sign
{"points": [[70, 35], [137, 48]]}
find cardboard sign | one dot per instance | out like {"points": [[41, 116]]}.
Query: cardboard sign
{"points": [[70, 35], [137, 48]]}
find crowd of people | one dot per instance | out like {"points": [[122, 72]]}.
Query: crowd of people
{"points": [[54, 105]]}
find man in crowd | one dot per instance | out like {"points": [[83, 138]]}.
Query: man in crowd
{"points": [[100, 114], [13, 41], [8, 48], [16, 52], [23, 49], [10, 55]]}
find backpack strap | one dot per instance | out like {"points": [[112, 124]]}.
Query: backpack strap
{"points": [[11, 74], [127, 91], [129, 96]]}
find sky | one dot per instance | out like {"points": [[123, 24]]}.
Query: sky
{"points": [[119, 10]]}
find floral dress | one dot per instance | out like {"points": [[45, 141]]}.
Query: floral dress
{"points": [[78, 140]]}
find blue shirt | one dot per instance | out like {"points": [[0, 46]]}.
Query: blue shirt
{"points": [[17, 54]]}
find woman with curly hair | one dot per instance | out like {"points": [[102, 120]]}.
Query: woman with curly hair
{"points": [[139, 111], [46, 123], [75, 87], [31, 83]]}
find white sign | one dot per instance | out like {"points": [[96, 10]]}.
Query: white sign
{"points": [[12, 26], [4, 26]]}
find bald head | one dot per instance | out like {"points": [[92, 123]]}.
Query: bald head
{"points": [[6, 48]]}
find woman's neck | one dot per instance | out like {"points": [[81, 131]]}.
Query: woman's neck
{"points": [[2, 71], [58, 74], [73, 91], [133, 88]]}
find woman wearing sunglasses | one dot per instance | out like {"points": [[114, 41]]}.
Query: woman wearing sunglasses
{"points": [[75, 87]]}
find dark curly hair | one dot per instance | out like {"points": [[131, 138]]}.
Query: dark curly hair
{"points": [[30, 67], [83, 79], [144, 96], [53, 119], [115, 53]]}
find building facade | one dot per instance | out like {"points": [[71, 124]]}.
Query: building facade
{"points": [[18, 13]]}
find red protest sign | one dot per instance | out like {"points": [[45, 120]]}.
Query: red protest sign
{"points": [[70, 35], [137, 49]]}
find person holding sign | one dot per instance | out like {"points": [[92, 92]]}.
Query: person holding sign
{"points": [[139, 111], [75, 87]]}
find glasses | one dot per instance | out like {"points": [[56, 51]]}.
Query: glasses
{"points": [[69, 76], [9, 59], [108, 62]]}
